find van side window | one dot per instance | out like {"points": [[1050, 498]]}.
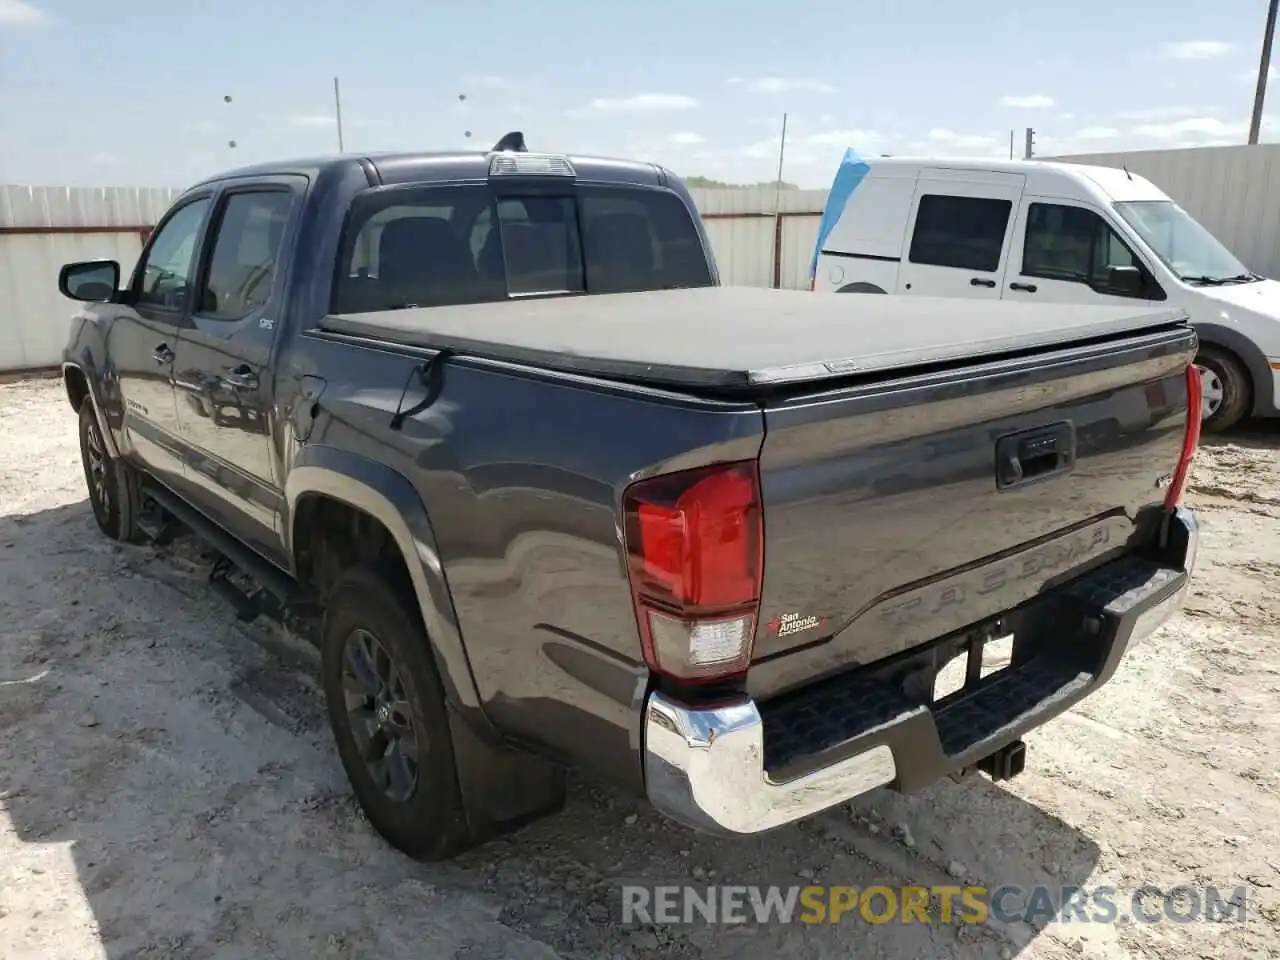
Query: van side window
{"points": [[1072, 244], [962, 232]]}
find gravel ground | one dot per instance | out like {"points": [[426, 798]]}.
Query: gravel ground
{"points": [[168, 788]]}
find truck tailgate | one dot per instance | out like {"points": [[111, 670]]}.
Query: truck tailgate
{"points": [[898, 511]]}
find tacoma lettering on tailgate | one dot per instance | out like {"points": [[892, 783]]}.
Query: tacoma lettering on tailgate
{"points": [[1018, 577]]}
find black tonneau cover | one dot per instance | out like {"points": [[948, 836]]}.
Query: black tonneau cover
{"points": [[742, 337]]}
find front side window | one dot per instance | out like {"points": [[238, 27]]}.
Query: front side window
{"points": [[1072, 244], [433, 246], [1185, 247], [962, 232], [169, 267], [246, 251]]}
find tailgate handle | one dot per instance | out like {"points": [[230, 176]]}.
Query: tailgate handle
{"points": [[1034, 454]]}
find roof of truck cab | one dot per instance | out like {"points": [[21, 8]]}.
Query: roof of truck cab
{"points": [[1114, 183], [437, 166]]}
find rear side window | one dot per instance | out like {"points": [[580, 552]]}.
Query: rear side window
{"points": [[432, 246], [246, 252], [962, 232]]}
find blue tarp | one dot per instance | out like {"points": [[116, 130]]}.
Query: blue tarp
{"points": [[852, 169]]}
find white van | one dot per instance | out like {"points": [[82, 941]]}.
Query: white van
{"points": [[1053, 232]]}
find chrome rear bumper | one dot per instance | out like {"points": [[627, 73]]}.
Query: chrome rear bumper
{"points": [[705, 767]]}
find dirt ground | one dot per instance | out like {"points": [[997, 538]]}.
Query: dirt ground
{"points": [[168, 788]]}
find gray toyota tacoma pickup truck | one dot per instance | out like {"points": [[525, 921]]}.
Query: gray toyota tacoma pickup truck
{"points": [[486, 427]]}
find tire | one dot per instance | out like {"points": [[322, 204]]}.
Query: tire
{"points": [[428, 820], [1225, 371], [114, 490]]}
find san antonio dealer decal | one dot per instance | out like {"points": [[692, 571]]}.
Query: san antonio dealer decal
{"points": [[789, 623]]}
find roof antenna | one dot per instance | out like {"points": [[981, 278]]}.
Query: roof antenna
{"points": [[1125, 168], [513, 142]]}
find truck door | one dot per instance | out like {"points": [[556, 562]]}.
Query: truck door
{"points": [[223, 372], [961, 227], [143, 337], [1065, 252]]}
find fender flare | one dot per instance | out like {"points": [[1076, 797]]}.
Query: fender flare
{"points": [[388, 496], [1260, 376], [86, 370]]}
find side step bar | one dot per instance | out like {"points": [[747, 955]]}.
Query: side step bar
{"points": [[272, 578]]}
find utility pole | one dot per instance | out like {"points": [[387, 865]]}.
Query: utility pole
{"points": [[1010, 144], [337, 110], [1031, 144], [777, 208], [1264, 68]]}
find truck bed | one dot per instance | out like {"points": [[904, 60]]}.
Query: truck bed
{"points": [[740, 338]]}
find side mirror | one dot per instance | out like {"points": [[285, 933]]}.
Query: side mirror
{"points": [[1126, 281], [93, 281]]}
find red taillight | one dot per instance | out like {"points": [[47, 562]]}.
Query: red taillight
{"points": [[694, 544], [1190, 439]]}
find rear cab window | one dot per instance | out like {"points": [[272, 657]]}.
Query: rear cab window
{"points": [[439, 245]]}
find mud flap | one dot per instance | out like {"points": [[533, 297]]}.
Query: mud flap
{"points": [[502, 789]]}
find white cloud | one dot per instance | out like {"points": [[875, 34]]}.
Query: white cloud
{"points": [[941, 142], [1033, 101], [962, 140], [685, 139], [202, 126], [314, 120], [783, 85], [1193, 130], [1251, 76], [1161, 113], [1196, 49], [844, 138], [644, 102], [19, 13], [763, 149], [1096, 133], [1066, 116]]}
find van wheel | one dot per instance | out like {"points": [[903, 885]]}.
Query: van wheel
{"points": [[114, 491], [387, 710], [1225, 387]]}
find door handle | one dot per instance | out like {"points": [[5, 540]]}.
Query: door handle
{"points": [[981, 282], [241, 378], [162, 354], [1027, 287]]}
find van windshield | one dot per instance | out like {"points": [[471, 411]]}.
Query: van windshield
{"points": [[1186, 248]]}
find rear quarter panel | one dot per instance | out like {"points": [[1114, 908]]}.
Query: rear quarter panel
{"points": [[522, 476]]}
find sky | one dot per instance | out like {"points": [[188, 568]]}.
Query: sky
{"points": [[134, 92]]}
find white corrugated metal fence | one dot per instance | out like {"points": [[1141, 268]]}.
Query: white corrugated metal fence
{"points": [[760, 238], [41, 228]]}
